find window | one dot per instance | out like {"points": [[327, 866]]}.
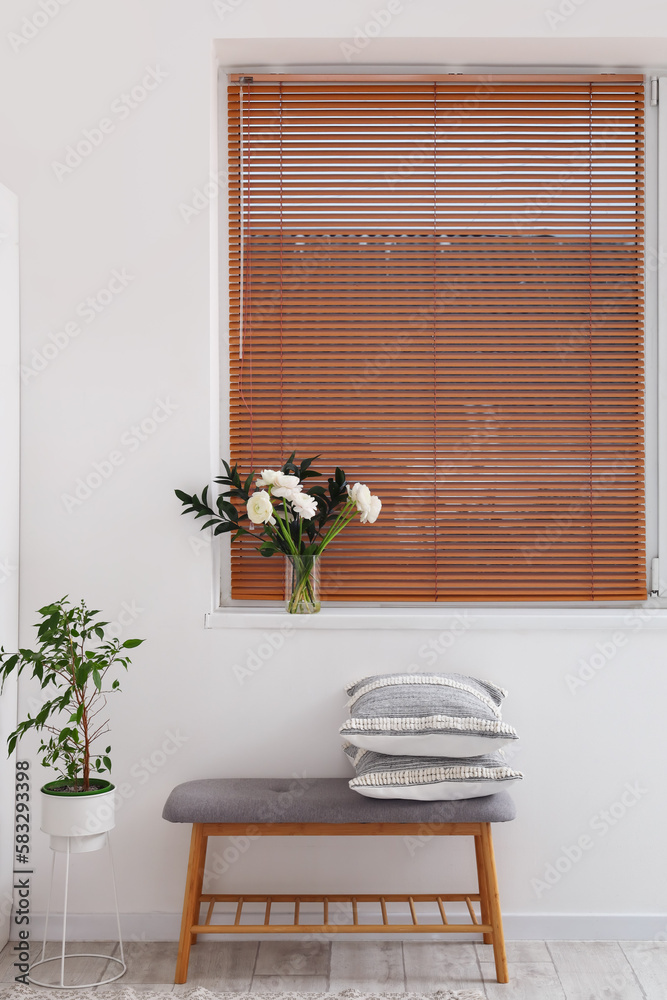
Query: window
{"points": [[438, 285]]}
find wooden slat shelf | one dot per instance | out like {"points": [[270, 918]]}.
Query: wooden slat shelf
{"points": [[352, 901]]}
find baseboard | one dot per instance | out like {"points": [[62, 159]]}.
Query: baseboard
{"points": [[518, 927]]}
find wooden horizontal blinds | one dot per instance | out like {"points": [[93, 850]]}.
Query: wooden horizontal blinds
{"points": [[437, 284]]}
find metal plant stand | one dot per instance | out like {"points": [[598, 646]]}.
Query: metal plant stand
{"points": [[62, 985]]}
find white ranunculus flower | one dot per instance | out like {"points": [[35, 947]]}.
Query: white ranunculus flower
{"points": [[361, 495], [285, 486], [304, 504], [370, 516], [267, 477], [260, 508]]}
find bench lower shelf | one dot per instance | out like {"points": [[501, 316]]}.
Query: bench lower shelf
{"points": [[346, 908]]}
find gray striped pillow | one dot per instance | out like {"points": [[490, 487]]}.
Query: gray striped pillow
{"points": [[430, 715], [384, 776]]}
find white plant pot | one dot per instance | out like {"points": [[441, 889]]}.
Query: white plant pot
{"points": [[80, 822]]}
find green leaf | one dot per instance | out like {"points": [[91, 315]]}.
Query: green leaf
{"points": [[225, 526], [97, 680], [183, 497], [228, 508], [131, 643], [10, 663]]}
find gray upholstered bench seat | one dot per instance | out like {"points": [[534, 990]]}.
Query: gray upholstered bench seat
{"points": [[320, 800], [246, 809]]}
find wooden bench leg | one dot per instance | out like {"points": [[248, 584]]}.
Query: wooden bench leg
{"points": [[199, 884], [193, 887], [482, 882], [494, 904]]}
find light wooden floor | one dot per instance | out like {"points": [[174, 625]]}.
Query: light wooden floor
{"points": [[552, 970]]}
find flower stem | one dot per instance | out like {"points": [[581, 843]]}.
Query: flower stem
{"points": [[284, 530], [336, 529], [303, 598]]}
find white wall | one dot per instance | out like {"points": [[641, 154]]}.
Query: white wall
{"points": [[9, 525], [125, 546]]}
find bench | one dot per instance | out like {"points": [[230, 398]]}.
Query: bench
{"points": [[326, 807]]}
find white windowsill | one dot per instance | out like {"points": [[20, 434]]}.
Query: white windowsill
{"points": [[634, 617]]}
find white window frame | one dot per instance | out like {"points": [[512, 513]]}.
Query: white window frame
{"points": [[621, 615]]}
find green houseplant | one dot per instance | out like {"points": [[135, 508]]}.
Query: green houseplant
{"points": [[72, 662]]}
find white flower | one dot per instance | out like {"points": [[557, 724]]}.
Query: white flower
{"points": [[304, 504], [285, 486], [370, 516], [361, 495], [267, 478], [260, 508]]}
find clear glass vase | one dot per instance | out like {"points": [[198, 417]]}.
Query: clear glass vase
{"points": [[302, 584]]}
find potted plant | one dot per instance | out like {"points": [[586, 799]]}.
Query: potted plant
{"points": [[72, 663], [295, 522]]}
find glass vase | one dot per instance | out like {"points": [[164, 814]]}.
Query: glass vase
{"points": [[302, 584]]}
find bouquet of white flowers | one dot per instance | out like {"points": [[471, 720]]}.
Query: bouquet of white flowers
{"points": [[295, 521]]}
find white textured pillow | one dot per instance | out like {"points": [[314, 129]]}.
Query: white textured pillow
{"points": [[426, 715], [428, 779]]}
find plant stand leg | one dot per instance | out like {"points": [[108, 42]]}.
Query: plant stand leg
{"points": [[48, 904], [62, 953], [494, 905], [193, 884], [115, 899], [483, 888]]}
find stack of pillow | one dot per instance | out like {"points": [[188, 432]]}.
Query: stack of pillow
{"points": [[427, 736]]}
